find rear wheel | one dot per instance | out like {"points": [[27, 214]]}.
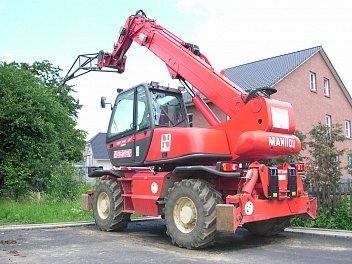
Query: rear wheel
{"points": [[268, 227], [190, 213], [107, 206]]}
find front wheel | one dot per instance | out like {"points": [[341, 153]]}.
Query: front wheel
{"points": [[190, 213], [107, 206]]}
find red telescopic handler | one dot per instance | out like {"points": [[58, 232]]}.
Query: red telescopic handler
{"points": [[201, 181]]}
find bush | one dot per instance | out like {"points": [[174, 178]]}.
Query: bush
{"points": [[63, 183], [340, 219]]}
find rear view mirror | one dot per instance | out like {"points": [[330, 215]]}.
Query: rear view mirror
{"points": [[103, 102]]}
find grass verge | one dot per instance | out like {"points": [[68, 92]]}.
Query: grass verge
{"points": [[47, 209], [41, 212]]}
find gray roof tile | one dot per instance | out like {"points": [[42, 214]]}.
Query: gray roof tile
{"points": [[267, 72], [99, 146]]}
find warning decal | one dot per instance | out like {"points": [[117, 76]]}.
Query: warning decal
{"points": [[280, 118], [165, 142]]}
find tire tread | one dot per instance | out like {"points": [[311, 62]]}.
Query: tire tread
{"points": [[209, 197], [117, 220]]}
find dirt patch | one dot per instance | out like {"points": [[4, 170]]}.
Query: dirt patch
{"points": [[8, 242], [14, 252]]}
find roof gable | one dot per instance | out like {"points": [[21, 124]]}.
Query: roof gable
{"points": [[337, 77], [99, 147], [267, 72]]}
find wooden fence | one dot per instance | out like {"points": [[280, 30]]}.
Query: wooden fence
{"points": [[330, 197]]}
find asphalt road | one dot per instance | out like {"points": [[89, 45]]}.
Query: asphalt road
{"points": [[146, 242]]}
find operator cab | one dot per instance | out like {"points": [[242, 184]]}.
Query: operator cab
{"points": [[136, 112]]}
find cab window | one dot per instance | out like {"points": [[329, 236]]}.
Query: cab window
{"points": [[167, 109], [122, 119], [143, 117]]}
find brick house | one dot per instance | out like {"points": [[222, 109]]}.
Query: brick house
{"points": [[307, 80]]}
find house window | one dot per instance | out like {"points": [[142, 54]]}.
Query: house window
{"points": [[326, 87], [316, 161], [190, 119], [328, 125], [328, 120], [348, 128], [349, 163], [313, 83]]}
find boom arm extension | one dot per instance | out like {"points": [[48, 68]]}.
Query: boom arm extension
{"points": [[183, 60], [83, 64]]}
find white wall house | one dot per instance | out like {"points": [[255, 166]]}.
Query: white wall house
{"points": [[95, 155]]}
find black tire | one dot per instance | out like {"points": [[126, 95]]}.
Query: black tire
{"points": [[190, 213], [268, 227], [107, 206]]}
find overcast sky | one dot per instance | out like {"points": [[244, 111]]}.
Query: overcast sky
{"points": [[229, 33]]}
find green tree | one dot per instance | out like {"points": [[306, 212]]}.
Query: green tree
{"points": [[324, 166], [38, 125]]}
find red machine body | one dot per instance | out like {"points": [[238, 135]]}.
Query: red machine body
{"points": [[250, 119], [201, 180]]}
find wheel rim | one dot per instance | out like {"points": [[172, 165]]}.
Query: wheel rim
{"points": [[103, 205], [185, 215]]}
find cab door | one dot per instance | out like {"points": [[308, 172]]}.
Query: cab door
{"points": [[129, 132]]}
